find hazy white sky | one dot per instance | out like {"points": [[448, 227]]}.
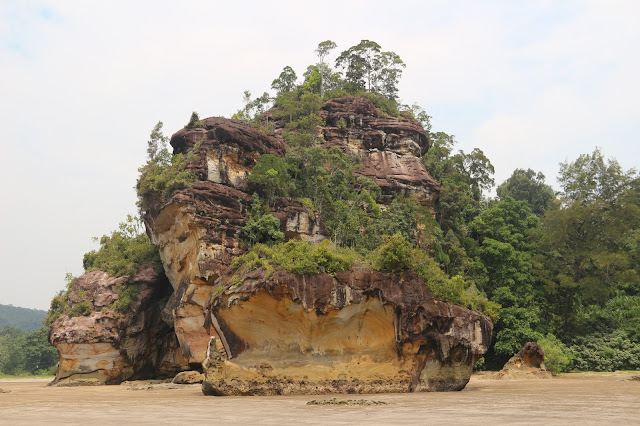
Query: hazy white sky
{"points": [[531, 83]]}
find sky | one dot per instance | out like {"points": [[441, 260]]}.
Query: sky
{"points": [[530, 83]]}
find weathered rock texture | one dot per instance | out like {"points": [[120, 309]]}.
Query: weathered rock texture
{"points": [[390, 148], [107, 347], [197, 231], [355, 332], [527, 364]]}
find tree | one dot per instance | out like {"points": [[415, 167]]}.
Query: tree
{"points": [[163, 173], [587, 238], [462, 177], [124, 252], [312, 80], [421, 116], [359, 64], [529, 186], [157, 144], [389, 67], [590, 177], [270, 177], [366, 67], [286, 82], [38, 353], [263, 229], [322, 51], [253, 108]]}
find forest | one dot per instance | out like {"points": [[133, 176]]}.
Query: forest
{"points": [[23, 342], [557, 266]]}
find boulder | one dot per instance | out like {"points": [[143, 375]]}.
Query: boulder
{"points": [[188, 378], [526, 364]]}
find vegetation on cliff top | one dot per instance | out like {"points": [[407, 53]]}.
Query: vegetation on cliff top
{"points": [[125, 252], [563, 266]]}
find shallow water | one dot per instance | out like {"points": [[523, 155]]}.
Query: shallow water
{"points": [[571, 398]]}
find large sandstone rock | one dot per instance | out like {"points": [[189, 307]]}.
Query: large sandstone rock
{"points": [[355, 332], [197, 231], [108, 347]]}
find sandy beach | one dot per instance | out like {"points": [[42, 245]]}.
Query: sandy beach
{"points": [[575, 398]]}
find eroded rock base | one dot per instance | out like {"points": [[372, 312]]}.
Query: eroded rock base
{"points": [[349, 336]]}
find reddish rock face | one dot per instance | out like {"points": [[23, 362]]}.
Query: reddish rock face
{"points": [[390, 148], [109, 347]]}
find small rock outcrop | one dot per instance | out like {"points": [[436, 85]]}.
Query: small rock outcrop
{"points": [[188, 378], [355, 332], [526, 364], [103, 346]]}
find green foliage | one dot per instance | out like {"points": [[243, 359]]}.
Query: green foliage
{"points": [[254, 108], [297, 257], [529, 186], [270, 177], [452, 289], [587, 238], [124, 252], [28, 353], [366, 67], [590, 177], [194, 122], [517, 326], [163, 174], [325, 71], [605, 352], [60, 302], [395, 255], [127, 297], [286, 81], [263, 229], [557, 357], [83, 308]]}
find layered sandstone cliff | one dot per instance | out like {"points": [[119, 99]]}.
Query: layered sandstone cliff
{"points": [[357, 331]]}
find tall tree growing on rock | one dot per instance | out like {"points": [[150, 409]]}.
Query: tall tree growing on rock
{"points": [[368, 68], [322, 51], [286, 81]]}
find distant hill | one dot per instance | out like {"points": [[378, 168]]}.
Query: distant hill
{"points": [[25, 319]]}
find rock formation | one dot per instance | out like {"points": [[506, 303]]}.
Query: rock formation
{"points": [[357, 331], [390, 148], [108, 347], [526, 364]]}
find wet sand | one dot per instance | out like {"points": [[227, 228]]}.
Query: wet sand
{"points": [[575, 399]]}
